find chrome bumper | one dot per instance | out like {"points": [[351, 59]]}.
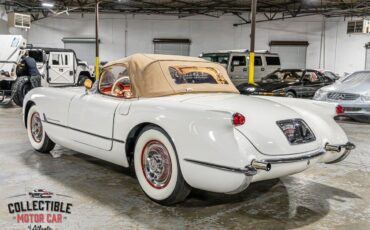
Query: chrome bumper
{"points": [[338, 148], [248, 170], [266, 164]]}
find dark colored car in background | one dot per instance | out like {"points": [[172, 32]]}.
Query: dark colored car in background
{"points": [[288, 82], [330, 74]]}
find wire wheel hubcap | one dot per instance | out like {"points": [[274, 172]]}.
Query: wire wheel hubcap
{"points": [[36, 127], [156, 164]]}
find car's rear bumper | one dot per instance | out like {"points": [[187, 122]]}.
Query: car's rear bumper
{"points": [[275, 167]]}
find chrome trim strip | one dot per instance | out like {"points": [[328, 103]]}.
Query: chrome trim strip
{"points": [[78, 130], [248, 170], [342, 157], [293, 159]]}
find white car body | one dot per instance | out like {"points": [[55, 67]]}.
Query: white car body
{"points": [[213, 154], [200, 126]]}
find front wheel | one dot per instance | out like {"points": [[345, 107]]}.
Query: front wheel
{"points": [[39, 140], [157, 167]]}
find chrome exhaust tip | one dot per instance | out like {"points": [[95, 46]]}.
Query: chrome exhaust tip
{"points": [[261, 165], [339, 148], [334, 148]]}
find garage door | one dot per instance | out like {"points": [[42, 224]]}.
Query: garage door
{"points": [[83, 47], [172, 46], [367, 58], [292, 54]]}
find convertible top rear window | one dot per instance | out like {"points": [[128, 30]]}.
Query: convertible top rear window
{"points": [[196, 75]]}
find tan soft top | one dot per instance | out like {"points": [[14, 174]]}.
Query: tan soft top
{"points": [[150, 76]]}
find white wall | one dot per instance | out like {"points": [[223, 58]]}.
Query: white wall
{"points": [[343, 53], [3, 21]]}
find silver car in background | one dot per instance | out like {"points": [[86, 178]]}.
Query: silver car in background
{"points": [[352, 94]]}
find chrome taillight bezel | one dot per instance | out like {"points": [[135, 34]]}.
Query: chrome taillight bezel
{"points": [[302, 132]]}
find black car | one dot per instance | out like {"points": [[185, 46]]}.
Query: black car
{"points": [[289, 83]]}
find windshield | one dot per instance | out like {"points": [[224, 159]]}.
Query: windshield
{"points": [[222, 58], [330, 75], [283, 76], [115, 81], [359, 77]]}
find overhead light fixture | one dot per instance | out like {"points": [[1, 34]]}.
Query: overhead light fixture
{"points": [[48, 4]]}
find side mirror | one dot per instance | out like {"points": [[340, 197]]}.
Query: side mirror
{"points": [[88, 84]]}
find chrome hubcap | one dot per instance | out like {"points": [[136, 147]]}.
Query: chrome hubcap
{"points": [[156, 164], [36, 127]]}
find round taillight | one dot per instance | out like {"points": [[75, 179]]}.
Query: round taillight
{"points": [[339, 109], [238, 119]]}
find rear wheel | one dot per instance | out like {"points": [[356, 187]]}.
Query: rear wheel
{"points": [[19, 90], [290, 94], [39, 140], [157, 168]]}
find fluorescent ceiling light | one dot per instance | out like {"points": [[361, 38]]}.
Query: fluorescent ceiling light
{"points": [[47, 4]]}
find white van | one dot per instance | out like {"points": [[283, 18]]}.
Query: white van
{"points": [[236, 63]]}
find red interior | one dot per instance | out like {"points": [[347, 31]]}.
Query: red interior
{"points": [[108, 89]]}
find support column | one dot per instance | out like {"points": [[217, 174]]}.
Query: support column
{"points": [[252, 37]]}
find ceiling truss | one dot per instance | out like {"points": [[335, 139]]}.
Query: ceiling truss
{"points": [[271, 9]]}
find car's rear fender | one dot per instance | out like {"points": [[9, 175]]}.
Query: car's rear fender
{"points": [[319, 116]]}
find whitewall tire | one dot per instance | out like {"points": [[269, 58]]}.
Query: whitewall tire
{"points": [[157, 168], [36, 132]]}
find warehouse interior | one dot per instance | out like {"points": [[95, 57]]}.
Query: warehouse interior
{"points": [[323, 24], [308, 36]]}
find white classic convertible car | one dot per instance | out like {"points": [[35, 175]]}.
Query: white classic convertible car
{"points": [[181, 123]]}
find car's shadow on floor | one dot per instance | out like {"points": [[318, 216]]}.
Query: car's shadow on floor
{"points": [[278, 204]]}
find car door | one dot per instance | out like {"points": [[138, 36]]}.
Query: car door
{"points": [[61, 68], [91, 116], [312, 81], [238, 69], [91, 119]]}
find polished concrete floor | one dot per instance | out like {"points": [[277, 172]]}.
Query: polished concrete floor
{"points": [[106, 196]]}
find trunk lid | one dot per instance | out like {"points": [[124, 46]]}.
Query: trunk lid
{"points": [[261, 127]]}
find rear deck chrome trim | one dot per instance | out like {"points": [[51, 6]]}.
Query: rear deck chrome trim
{"points": [[248, 170], [293, 159]]}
